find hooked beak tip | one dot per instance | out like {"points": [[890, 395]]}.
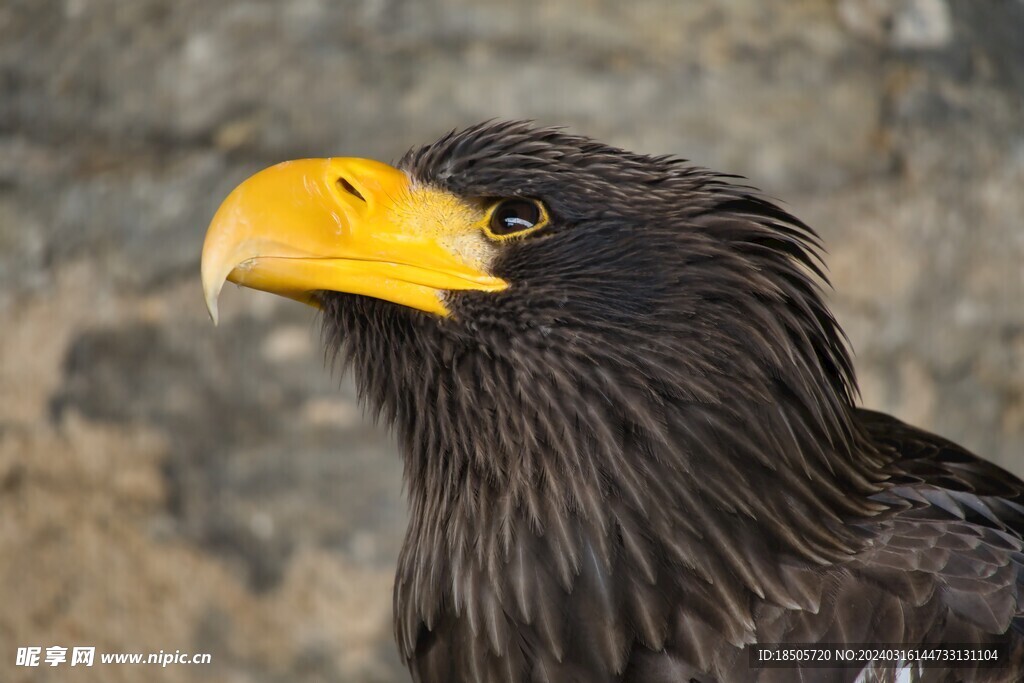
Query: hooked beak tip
{"points": [[211, 306], [211, 292]]}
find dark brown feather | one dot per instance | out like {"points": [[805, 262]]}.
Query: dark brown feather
{"points": [[644, 456]]}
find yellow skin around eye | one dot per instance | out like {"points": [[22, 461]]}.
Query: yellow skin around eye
{"points": [[459, 225], [452, 222], [485, 223]]}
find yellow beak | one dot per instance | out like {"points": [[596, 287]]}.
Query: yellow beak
{"points": [[337, 224]]}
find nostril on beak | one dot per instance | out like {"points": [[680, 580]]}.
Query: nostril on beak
{"points": [[347, 187]]}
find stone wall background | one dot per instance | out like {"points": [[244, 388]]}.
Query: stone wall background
{"points": [[168, 485]]}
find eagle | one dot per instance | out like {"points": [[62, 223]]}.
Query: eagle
{"points": [[632, 446]]}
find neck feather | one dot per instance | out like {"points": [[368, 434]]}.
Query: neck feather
{"points": [[565, 446]]}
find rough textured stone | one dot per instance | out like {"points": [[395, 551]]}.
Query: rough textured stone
{"points": [[168, 485]]}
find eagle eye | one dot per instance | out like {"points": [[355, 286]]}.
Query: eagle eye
{"points": [[515, 216]]}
